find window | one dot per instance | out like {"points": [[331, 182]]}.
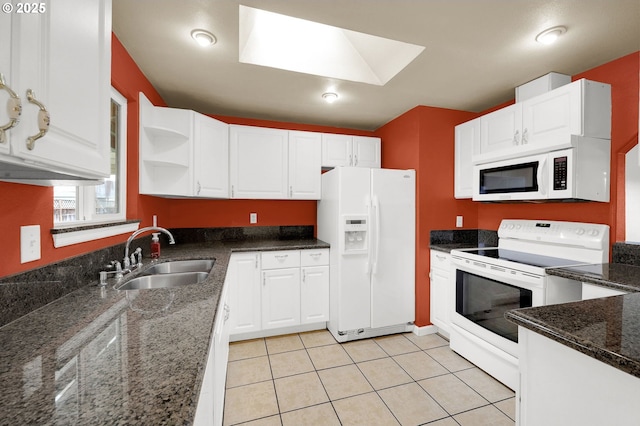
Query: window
{"points": [[76, 205]]}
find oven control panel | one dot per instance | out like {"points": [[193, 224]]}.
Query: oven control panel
{"points": [[567, 233]]}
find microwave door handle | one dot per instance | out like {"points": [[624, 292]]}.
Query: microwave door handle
{"points": [[543, 181]]}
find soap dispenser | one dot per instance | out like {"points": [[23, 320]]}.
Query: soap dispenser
{"points": [[155, 246]]}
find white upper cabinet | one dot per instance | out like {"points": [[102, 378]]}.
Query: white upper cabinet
{"points": [[305, 151], [546, 122], [211, 157], [366, 152], [182, 153], [259, 162], [345, 150], [275, 164], [5, 70], [467, 138], [60, 67]]}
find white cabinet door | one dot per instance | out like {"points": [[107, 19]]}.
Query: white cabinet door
{"points": [[243, 275], [501, 130], [314, 294], [467, 140], [440, 303], [64, 57], [258, 162], [221, 357], [280, 298], [336, 150], [5, 70], [305, 157], [366, 151], [211, 157]]}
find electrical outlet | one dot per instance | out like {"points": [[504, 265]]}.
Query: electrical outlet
{"points": [[458, 221], [253, 217], [29, 243]]}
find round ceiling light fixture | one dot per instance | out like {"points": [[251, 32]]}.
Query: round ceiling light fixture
{"points": [[550, 35], [330, 97], [203, 37]]}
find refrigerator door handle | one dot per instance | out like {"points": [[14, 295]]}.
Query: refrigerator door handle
{"points": [[376, 208], [369, 262]]}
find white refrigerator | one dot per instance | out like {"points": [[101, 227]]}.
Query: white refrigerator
{"points": [[368, 217]]}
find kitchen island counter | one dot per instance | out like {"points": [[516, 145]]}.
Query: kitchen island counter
{"points": [[617, 276], [607, 329], [103, 356]]}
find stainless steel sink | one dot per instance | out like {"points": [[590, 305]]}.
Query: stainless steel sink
{"points": [[196, 265], [178, 279]]}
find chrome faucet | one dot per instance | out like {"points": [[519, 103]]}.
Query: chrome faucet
{"points": [[127, 261]]}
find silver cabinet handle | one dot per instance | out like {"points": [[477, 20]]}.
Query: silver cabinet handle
{"points": [[281, 256], [516, 138], [304, 275], [264, 279], [350, 160], [315, 255], [231, 191], [290, 191], [356, 160], [525, 137], [256, 261], [14, 109], [199, 187], [44, 119], [227, 312]]}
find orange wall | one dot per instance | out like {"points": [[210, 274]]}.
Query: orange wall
{"points": [[32, 205], [622, 74], [423, 139]]}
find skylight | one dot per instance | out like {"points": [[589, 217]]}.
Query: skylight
{"points": [[279, 41]]}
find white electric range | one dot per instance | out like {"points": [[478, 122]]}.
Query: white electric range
{"points": [[490, 281]]}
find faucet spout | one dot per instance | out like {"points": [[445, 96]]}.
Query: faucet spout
{"points": [[140, 231]]}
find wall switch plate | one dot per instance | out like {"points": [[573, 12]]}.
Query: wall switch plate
{"points": [[458, 221], [253, 217], [29, 243]]}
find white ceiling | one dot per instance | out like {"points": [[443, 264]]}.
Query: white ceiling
{"points": [[477, 52]]}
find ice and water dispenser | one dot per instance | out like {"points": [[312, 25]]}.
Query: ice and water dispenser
{"points": [[355, 230]]}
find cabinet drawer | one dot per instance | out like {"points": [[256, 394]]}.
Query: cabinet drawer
{"points": [[281, 259], [440, 260], [314, 257]]}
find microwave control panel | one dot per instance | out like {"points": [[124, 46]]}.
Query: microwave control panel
{"points": [[560, 173]]}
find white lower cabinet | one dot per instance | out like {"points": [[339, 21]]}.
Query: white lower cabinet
{"points": [[594, 291], [280, 298], [243, 280], [440, 293], [314, 294], [210, 407], [284, 290]]}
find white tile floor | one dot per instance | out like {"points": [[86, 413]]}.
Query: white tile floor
{"points": [[403, 379]]}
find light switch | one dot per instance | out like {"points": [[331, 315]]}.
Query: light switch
{"points": [[29, 243], [253, 217], [458, 221]]}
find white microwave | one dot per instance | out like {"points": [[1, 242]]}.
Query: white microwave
{"points": [[581, 173]]}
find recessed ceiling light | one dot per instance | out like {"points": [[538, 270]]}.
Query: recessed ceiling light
{"points": [[203, 37], [551, 35], [330, 97]]}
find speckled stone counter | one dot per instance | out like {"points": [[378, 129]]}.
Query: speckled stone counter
{"points": [[102, 356], [617, 276], [607, 329]]}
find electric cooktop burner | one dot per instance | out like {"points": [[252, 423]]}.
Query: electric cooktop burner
{"points": [[522, 258]]}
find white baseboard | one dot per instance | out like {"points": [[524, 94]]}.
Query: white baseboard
{"points": [[423, 331], [278, 331]]}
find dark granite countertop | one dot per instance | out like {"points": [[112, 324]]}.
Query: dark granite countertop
{"points": [[607, 329], [102, 356], [453, 246], [617, 276]]}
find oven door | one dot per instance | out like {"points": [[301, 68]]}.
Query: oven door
{"points": [[484, 292], [524, 178]]}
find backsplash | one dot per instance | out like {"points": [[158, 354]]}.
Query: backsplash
{"points": [[27, 291], [628, 254], [467, 237]]}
